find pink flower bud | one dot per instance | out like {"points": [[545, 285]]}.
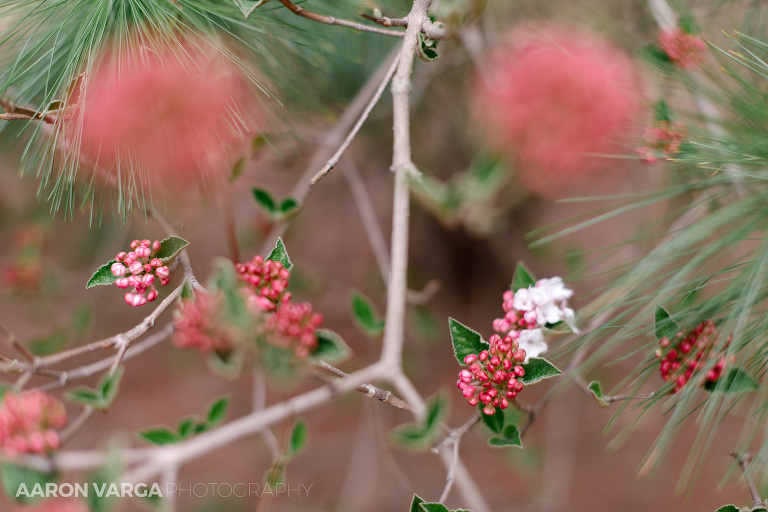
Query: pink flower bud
{"points": [[118, 269], [147, 279], [489, 410], [152, 295], [163, 272], [135, 244], [471, 358], [136, 268], [121, 256], [143, 251], [146, 243], [156, 262], [156, 246], [130, 258], [122, 282]]}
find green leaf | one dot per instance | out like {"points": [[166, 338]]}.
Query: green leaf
{"points": [[227, 366], [217, 411], [109, 385], [662, 112], [280, 254], [170, 248], [103, 276], [412, 436], [597, 392], [434, 507], [465, 340], [14, 476], [265, 200], [509, 437], [299, 436], [735, 380], [536, 369], [160, 436], [247, 6], [522, 278], [557, 329], [54, 342], [185, 427], [84, 396], [664, 325], [494, 421], [657, 57], [237, 169], [688, 24], [728, 508], [415, 503], [427, 48], [186, 291], [365, 316], [289, 206], [437, 410], [330, 346]]}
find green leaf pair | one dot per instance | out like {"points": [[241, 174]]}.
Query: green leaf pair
{"points": [[101, 397], [419, 505], [276, 210], [419, 436], [365, 315], [188, 427]]}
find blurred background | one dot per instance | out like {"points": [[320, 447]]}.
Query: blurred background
{"points": [[484, 192]]}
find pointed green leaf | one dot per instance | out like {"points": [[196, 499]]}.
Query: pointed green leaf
{"points": [[735, 380], [427, 48], [103, 276], [330, 346], [415, 503], [662, 112], [170, 248], [536, 369], [509, 437], [557, 329], [411, 436], [437, 410], [465, 340], [14, 476], [289, 205], [728, 508], [365, 316], [280, 254], [299, 436], [665, 326], [217, 411], [160, 435], [237, 169], [84, 396], [265, 200], [597, 392], [185, 427], [494, 421], [523, 277], [109, 385]]}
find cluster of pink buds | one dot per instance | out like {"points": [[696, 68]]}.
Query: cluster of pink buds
{"points": [[269, 279], [28, 422], [196, 325], [691, 351], [492, 377], [140, 269], [293, 325], [683, 48], [662, 140]]}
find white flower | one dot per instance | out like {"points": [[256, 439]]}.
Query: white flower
{"points": [[532, 341], [555, 288], [523, 301]]}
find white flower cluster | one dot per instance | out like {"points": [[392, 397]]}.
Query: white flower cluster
{"points": [[546, 302]]}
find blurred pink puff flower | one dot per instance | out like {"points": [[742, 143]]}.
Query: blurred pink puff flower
{"points": [[170, 114], [554, 100], [29, 421], [54, 505]]}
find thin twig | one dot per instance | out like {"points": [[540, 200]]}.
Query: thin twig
{"points": [[743, 460], [331, 163], [259, 402], [384, 21], [328, 20], [367, 389]]}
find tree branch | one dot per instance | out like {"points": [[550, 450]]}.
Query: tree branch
{"points": [[300, 11]]}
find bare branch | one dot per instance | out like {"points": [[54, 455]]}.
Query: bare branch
{"points": [[300, 11], [331, 163], [743, 460]]}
